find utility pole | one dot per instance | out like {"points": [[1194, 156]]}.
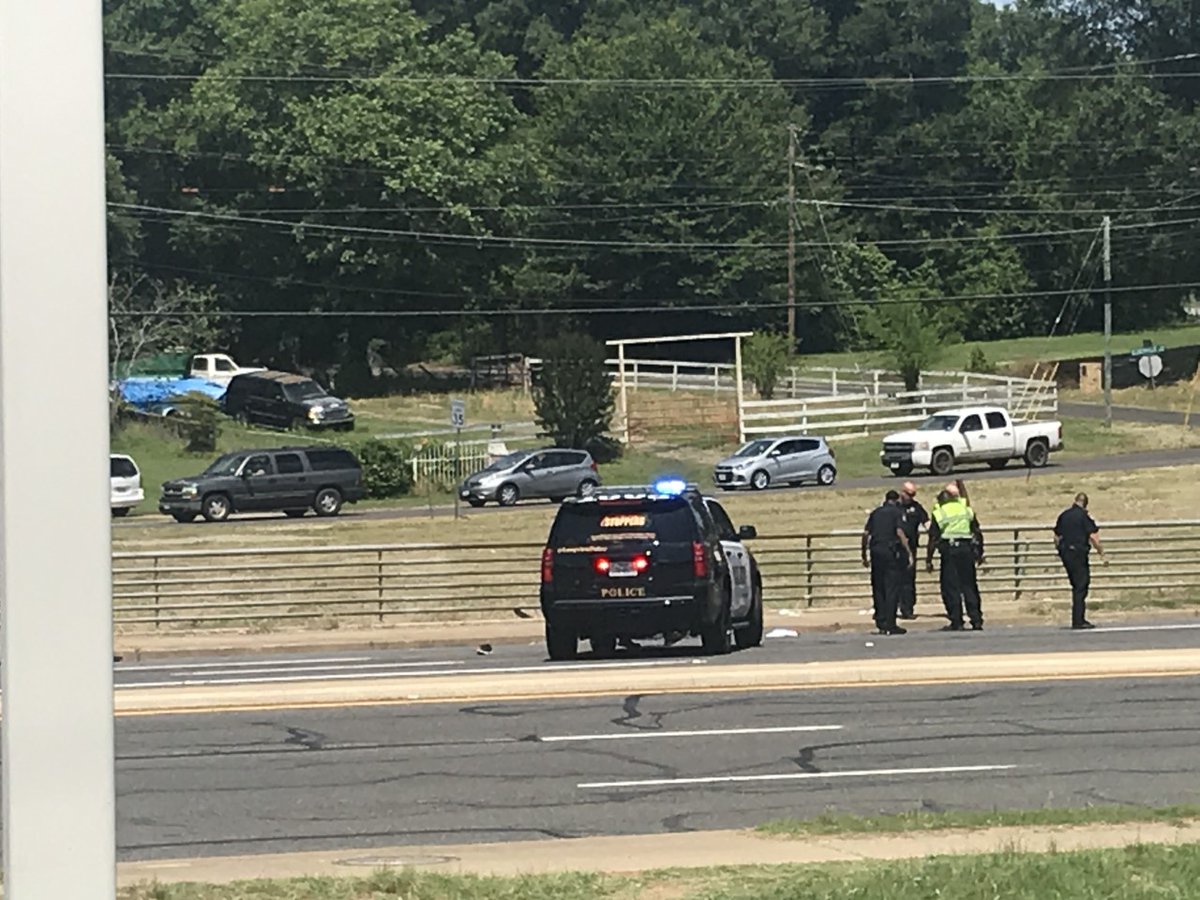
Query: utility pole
{"points": [[1107, 322], [791, 214]]}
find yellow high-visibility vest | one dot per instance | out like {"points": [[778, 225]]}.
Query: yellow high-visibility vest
{"points": [[954, 520]]}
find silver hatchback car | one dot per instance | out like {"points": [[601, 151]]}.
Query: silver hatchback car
{"points": [[782, 460], [553, 474]]}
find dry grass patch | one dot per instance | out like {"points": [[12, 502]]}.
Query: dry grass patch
{"points": [[1172, 397]]}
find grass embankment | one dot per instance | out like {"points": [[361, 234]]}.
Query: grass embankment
{"points": [[1182, 397], [920, 820], [1020, 350], [1145, 871]]}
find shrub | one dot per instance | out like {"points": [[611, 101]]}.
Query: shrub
{"points": [[765, 356], [387, 468], [978, 362], [198, 422], [572, 395]]}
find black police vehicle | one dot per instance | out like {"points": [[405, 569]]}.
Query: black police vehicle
{"points": [[639, 562]]}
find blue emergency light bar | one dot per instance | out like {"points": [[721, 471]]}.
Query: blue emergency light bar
{"points": [[670, 487]]}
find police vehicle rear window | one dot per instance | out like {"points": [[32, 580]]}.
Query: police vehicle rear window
{"points": [[602, 523]]}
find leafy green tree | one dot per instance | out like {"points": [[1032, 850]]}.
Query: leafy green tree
{"points": [[572, 394], [765, 357]]}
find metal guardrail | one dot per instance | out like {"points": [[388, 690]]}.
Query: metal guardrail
{"points": [[191, 589]]}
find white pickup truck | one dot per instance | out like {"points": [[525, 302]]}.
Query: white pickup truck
{"points": [[218, 368], [985, 434]]}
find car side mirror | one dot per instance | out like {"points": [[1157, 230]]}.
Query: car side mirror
{"points": [[747, 533]]}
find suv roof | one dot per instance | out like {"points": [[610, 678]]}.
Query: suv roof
{"points": [[273, 375]]}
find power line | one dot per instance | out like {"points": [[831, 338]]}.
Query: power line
{"points": [[727, 307]]}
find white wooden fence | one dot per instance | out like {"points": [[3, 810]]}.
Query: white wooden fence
{"points": [[858, 415], [448, 464]]}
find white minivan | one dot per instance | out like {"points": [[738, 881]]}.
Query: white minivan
{"points": [[125, 484]]}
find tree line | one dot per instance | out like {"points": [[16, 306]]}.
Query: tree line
{"points": [[408, 179]]}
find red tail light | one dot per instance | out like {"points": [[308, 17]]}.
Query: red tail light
{"points": [[601, 564], [640, 564], [547, 566], [594, 469], [699, 560]]}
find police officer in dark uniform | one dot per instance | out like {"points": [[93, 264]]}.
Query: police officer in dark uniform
{"points": [[1075, 533], [915, 518], [886, 552]]}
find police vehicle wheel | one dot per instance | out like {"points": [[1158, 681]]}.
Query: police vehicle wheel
{"points": [[604, 646], [508, 495], [942, 462], [476, 502], [752, 634], [1037, 454], [587, 487], [997, 464], [560, 643], [826, 475], [760, 480], [215, 508], [715, 637]]}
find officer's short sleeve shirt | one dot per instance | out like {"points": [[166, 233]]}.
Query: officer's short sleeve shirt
{"points": [[882, 525], [1074, 527]]}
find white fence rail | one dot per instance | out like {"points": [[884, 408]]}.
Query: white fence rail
{"points": [[861, 414], [447, 463]]}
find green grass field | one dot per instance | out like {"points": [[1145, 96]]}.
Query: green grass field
{"points": [[1135, 873], [1022, 350]]}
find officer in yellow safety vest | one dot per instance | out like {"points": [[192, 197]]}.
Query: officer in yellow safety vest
{"points": [[954, 532]]}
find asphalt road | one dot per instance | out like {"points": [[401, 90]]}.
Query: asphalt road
{"points": [[1116, 463], [373, 777], [923, 639]]}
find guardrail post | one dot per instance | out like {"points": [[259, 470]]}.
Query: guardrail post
{"points": [[1018, 563], [808, 570], [154, 578], [379, 580], [675, 376]]}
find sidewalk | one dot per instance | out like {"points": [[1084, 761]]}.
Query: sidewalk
{"points": [[140, 646], [633, 853]]}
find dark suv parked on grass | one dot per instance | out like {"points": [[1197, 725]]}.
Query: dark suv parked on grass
{"points": [[284, 400], [637, 562], [291, 479]]}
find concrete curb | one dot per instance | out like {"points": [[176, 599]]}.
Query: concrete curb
{"points": [[136, 647], [638, 853], [696, 677]]}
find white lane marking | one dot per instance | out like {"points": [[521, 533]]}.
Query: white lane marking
{"points": [[198, 682], [714, 732], [794, 776], [1105, 629], [248, 664], [267, 670]]}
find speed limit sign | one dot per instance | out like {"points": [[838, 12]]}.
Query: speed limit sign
{"points": [[458, 413]]}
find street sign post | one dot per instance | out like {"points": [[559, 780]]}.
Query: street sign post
{"points": [[458, 419]]}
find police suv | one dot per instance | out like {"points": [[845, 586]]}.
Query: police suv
{"points": [[641, 562]]}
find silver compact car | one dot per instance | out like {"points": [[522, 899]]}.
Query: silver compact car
{"points": [[782, 460], [549, 474]]}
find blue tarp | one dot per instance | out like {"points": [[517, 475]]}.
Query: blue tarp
{"points": [[150, 394]]}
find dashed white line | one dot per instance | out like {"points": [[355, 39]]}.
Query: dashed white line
{"points": [[280, 663], [713, 732], [793, 776], [1105, 629]]}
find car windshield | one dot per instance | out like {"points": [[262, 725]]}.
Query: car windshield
{"points": [[938, 423], [226, 465], [506, 462], [754, 448], [304, 390]]}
